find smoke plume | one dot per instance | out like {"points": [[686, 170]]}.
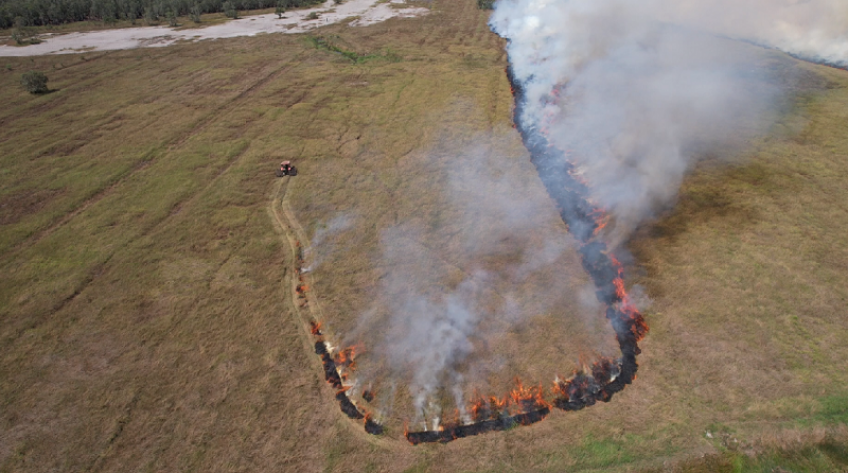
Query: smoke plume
{"points": [[496, 256], [323, 243], [634, 91], [632, 94]]}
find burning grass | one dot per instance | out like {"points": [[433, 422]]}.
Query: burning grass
{"points": [[143, 322], [336, 363], [606, 377]]}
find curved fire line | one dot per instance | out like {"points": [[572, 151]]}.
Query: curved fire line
{"points": [[606, 377], [330, 363], [331, 374], [585, 388]]}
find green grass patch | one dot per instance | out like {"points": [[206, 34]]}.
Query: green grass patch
{"points": [[602, 453], [828, 456], [330, 43], [834, 409]]}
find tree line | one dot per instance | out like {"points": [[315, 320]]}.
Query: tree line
{"points": [[19, 13]]}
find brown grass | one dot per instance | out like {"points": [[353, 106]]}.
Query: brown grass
{"points": [[144, 322]]}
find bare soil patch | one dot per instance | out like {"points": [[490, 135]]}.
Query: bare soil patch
{"points": [[363, 13]]}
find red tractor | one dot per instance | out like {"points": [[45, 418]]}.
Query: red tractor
{"points": [[286, 169]]}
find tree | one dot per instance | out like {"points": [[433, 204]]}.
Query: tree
{"points": [[105, 10], [230, 9], [21, 32], [195, 13], [150, 16], [34, 82], [129, 10], [281, 7], [172, 19]]}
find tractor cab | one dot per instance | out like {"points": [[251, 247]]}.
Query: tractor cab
{"points": [[286, 169]]}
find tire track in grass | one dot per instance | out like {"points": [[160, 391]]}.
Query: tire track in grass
{"points": [[148, 158], [37, 234], [88, 80], [204, 122], [295, 237], [100, 268], [92, 199]]}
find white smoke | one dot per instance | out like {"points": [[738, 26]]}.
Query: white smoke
{"points": [[814, 29], [634, 90], [449, 287], [429, 335], [322, 243]]}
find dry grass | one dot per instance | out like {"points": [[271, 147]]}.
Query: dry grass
{"points": [[144, 326]]}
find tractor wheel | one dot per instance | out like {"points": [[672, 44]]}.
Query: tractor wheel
{"points": [[293, 171], [280, 173]]}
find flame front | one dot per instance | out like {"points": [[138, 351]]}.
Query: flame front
{"points": [[586, 222]]}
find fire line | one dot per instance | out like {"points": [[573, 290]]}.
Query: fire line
{"points": [[606, 376], [332, 364], [525, 405]]}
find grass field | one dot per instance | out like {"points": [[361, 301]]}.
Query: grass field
{"points": [[146, 320]]}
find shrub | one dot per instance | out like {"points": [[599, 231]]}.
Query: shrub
{"points": [[486, 4], [312, 16], [34, 82]]}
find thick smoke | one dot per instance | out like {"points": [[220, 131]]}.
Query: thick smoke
{"points": [[428, 335], [812, 29], [635, 91]]}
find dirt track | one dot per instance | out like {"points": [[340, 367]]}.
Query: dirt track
{"points": [[304, 305], [292, 233]]}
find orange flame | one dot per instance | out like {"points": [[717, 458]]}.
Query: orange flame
{"points": [[601, 221], [347, 356]]}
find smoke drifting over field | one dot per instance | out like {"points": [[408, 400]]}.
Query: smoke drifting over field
{"points": [[634, 91], [323, 242], [615, 101], [452, 284], [813, 29]]}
